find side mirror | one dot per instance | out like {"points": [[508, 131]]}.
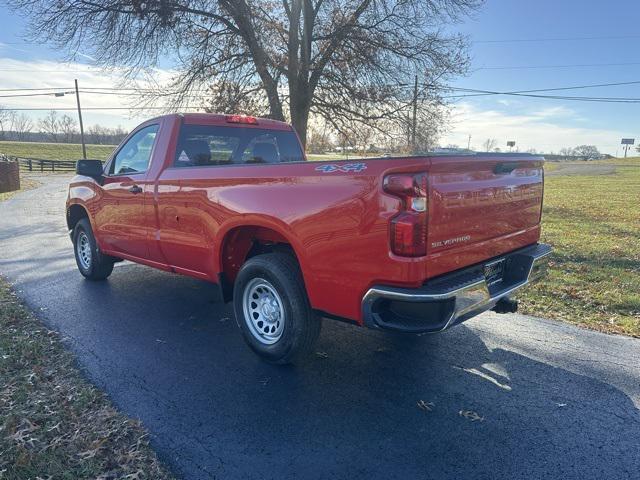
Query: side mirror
{"points": [[89, 168]]}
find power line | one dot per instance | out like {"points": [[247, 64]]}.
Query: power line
{"points": [[555, 89], [31, 89], [95, 108], [557, 39], [50, 94], [133, 91], [576, 65], [497, 67], [31, 70], [467, 92]]}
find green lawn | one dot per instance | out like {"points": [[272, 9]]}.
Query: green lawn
{"points": [[593, 223], [54, 151]]}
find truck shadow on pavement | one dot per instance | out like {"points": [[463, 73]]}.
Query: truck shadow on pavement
{"points": [[168, 353]]}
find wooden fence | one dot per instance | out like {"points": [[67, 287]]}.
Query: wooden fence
{"points": [[42, 165]]}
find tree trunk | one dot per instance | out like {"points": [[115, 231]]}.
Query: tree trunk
{"points": [[300, 117]]}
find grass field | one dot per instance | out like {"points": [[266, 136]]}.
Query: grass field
{"points": [[593, 222], [54, 151]]}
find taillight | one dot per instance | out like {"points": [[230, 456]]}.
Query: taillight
{"points": [[241, 119], [409, 227]]}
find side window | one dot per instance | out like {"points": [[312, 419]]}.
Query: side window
{"points": [[134, 155]]}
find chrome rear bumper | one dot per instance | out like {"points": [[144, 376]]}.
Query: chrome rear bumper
{"points": [[452, 298]]}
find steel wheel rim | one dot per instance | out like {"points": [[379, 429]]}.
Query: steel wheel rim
{"points": [[263, 311], [83, 249]]}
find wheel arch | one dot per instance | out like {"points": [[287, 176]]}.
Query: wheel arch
{"points": [[241, 241], [75, 213]]}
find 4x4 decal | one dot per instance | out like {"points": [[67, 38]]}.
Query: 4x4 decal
{"points": [[346, 168]]}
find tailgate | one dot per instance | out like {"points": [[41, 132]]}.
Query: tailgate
{"points": [[483, 199]]}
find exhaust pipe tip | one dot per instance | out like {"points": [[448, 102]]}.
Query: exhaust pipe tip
{"points": [[506, 305]]}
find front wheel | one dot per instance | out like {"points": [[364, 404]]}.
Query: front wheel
{"points": [[272, 309], [91, 263]]}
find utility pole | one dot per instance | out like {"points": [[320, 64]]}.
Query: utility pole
{"points": [[415, 115], [469, 143], [84, 147]]}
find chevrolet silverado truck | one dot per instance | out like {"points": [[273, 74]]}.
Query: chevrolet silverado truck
{"points": [[411, 244]]}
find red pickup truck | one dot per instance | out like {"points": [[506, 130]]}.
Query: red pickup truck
{"points": [[412, 244]]}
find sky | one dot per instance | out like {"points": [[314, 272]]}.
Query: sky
{"points": [[515, 45]]}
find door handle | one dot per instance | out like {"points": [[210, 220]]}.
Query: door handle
{"points": [[135, 189]]}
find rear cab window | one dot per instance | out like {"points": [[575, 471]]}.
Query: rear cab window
{"points": [[214, 145]]}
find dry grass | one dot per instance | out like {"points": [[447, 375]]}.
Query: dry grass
{"points": [[53, 423], [25, 184]]}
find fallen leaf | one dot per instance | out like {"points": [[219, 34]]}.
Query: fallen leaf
{"points": [[471, 415], [426, 406]]}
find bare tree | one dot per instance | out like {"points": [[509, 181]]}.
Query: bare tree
{"points": [[587, 152], [343, 60], [22, 126], [68, 128], [97, 134], [319, 140], [566, 152], [489, 144], [6, 121], [102, 135], [50, 125]]}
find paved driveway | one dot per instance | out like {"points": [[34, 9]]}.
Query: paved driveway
{"points": [[555, 401]]}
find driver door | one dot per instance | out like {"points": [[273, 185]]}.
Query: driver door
{"points": [[121, 222]]}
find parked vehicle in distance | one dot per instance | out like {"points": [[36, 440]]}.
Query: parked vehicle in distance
{"points": [[410, 244]]}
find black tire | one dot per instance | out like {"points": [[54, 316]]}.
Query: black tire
{"points": [[94, 266], [301, 326]]}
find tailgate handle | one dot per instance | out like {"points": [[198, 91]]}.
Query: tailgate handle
{"points": [[505, 167]]}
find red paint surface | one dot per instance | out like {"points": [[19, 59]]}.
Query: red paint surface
{"points": [[337, 223]]}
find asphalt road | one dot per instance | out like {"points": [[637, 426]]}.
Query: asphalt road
{"points": [[555, 401]]}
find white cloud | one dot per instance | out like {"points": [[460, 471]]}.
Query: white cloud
{"points": [[25, 74], [557, 111], [545, 129]]}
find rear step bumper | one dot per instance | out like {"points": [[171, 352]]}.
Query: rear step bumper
{"points": [[454, 297]]}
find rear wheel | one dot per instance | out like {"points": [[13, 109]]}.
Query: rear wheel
{"points": [[91, 263], [272, 309]]}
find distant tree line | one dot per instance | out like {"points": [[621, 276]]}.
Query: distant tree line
{"points": [[55, 128], [581, 152]]}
